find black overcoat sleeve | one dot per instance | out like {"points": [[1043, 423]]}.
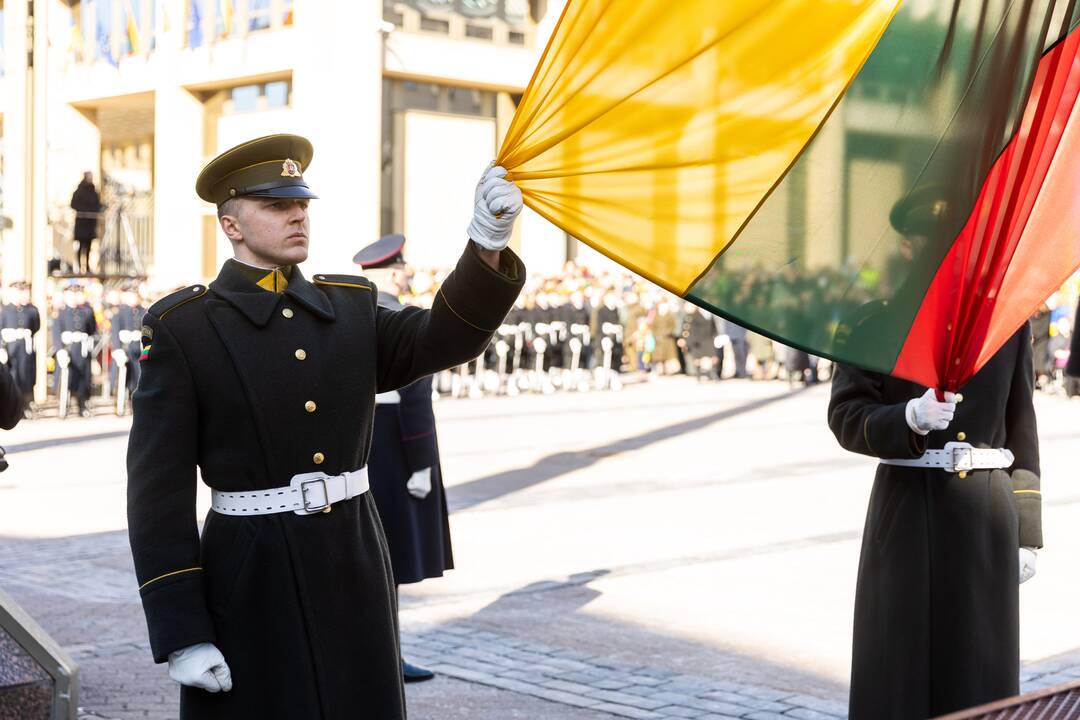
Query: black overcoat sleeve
{"points": [[417, 423], [1022, 438], [35, 320], [466, 312], [161, 461], [10, 400], [863, 421]]}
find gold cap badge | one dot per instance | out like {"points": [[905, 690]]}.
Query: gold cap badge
{"points": [[290, 168]]}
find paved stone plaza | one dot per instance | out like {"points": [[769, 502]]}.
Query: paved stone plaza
{"points": [[676, 550]]}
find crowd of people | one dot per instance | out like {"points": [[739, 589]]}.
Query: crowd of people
{"points": [[577, 330], [582, 329]]}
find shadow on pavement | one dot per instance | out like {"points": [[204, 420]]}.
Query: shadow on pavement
{"points": [[475, 492]]}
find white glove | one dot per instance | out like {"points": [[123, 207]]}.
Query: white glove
{"points": [[202, 666], [119, 357], [3, 356], [62, 358], [419, 484], [497, 205], [1027, 564], [925, 413]]}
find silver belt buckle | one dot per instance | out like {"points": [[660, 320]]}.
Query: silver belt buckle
{"points": [[309, 507], [961, 457]]}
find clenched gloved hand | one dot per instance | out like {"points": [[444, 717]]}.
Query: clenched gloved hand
{"points": [[925, 413], [1027, 564], [497, 205], [419, 485], [63, 359], [202, 666]]}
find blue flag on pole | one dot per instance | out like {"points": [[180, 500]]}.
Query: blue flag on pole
{"points": [[195, 37]]}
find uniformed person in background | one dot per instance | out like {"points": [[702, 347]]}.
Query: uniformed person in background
{"points": [[944, 549], [125, 339], [1073, 367], [73, 339], [404, 468], [19, 322], [266, 381]]}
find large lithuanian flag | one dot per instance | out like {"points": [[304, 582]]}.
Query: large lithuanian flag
{"points": [[748, 154]]}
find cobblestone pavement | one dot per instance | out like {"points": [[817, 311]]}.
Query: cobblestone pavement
{"points": [[646, 554]]}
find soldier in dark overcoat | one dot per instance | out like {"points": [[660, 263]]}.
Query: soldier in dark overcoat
{"points": [[73, 339], [1073, 366], [19, 322], [265, 381], [404, 467], [936, 605], [125, 336]]}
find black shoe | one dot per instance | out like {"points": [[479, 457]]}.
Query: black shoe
{"points": [[415, 673]]}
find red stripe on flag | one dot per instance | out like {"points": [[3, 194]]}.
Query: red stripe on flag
{"points": [[959, 325]]}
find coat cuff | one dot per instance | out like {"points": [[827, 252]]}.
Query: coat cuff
{"points": [[480, 295], [1025, 485], [176, 613], [419, 451], [888, 435]]}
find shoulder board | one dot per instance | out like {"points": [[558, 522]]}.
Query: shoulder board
{"points": [[174, 300], [350, 281]]}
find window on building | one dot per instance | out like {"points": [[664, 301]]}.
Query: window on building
{"points": [[259, 17], [259, 96], [400, 96]]}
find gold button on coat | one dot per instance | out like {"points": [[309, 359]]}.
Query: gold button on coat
{"points": [[318, 458], [287, 312], [961, 436], [300, 354], [309, 406]]}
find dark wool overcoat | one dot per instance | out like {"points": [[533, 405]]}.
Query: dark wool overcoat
{"points": [[11, 401], [936, 605], [21, 361], [252, 388], [404, 441]]}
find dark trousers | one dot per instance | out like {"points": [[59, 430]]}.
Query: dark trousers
{"points": [[740, 348], [82, 259]]}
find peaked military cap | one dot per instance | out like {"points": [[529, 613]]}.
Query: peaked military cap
{"points": [[270, 166], [921, 212], [384, 252]]}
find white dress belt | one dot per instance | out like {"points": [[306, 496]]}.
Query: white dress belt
{"points": [[13, 335], [307, 494], [959, 457], [387, 398]]}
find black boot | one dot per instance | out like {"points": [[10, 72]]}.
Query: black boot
{"points": [[415, 673]]}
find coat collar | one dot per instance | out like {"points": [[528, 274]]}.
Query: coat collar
{"points": [[235, 287]]}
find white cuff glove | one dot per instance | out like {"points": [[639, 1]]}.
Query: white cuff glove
{"points": [[925, 413], [63, 359], [119, 357], [3, 356], [419, 484], [1027, 564], [202, 666], [497, 205]]}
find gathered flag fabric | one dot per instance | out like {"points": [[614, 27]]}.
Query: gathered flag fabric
{"points": [[886, 184]]}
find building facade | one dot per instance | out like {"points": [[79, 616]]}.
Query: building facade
{"points": [[404, 100]]}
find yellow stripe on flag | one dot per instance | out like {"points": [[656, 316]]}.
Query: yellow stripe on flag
{"points": [[652, 130]]}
